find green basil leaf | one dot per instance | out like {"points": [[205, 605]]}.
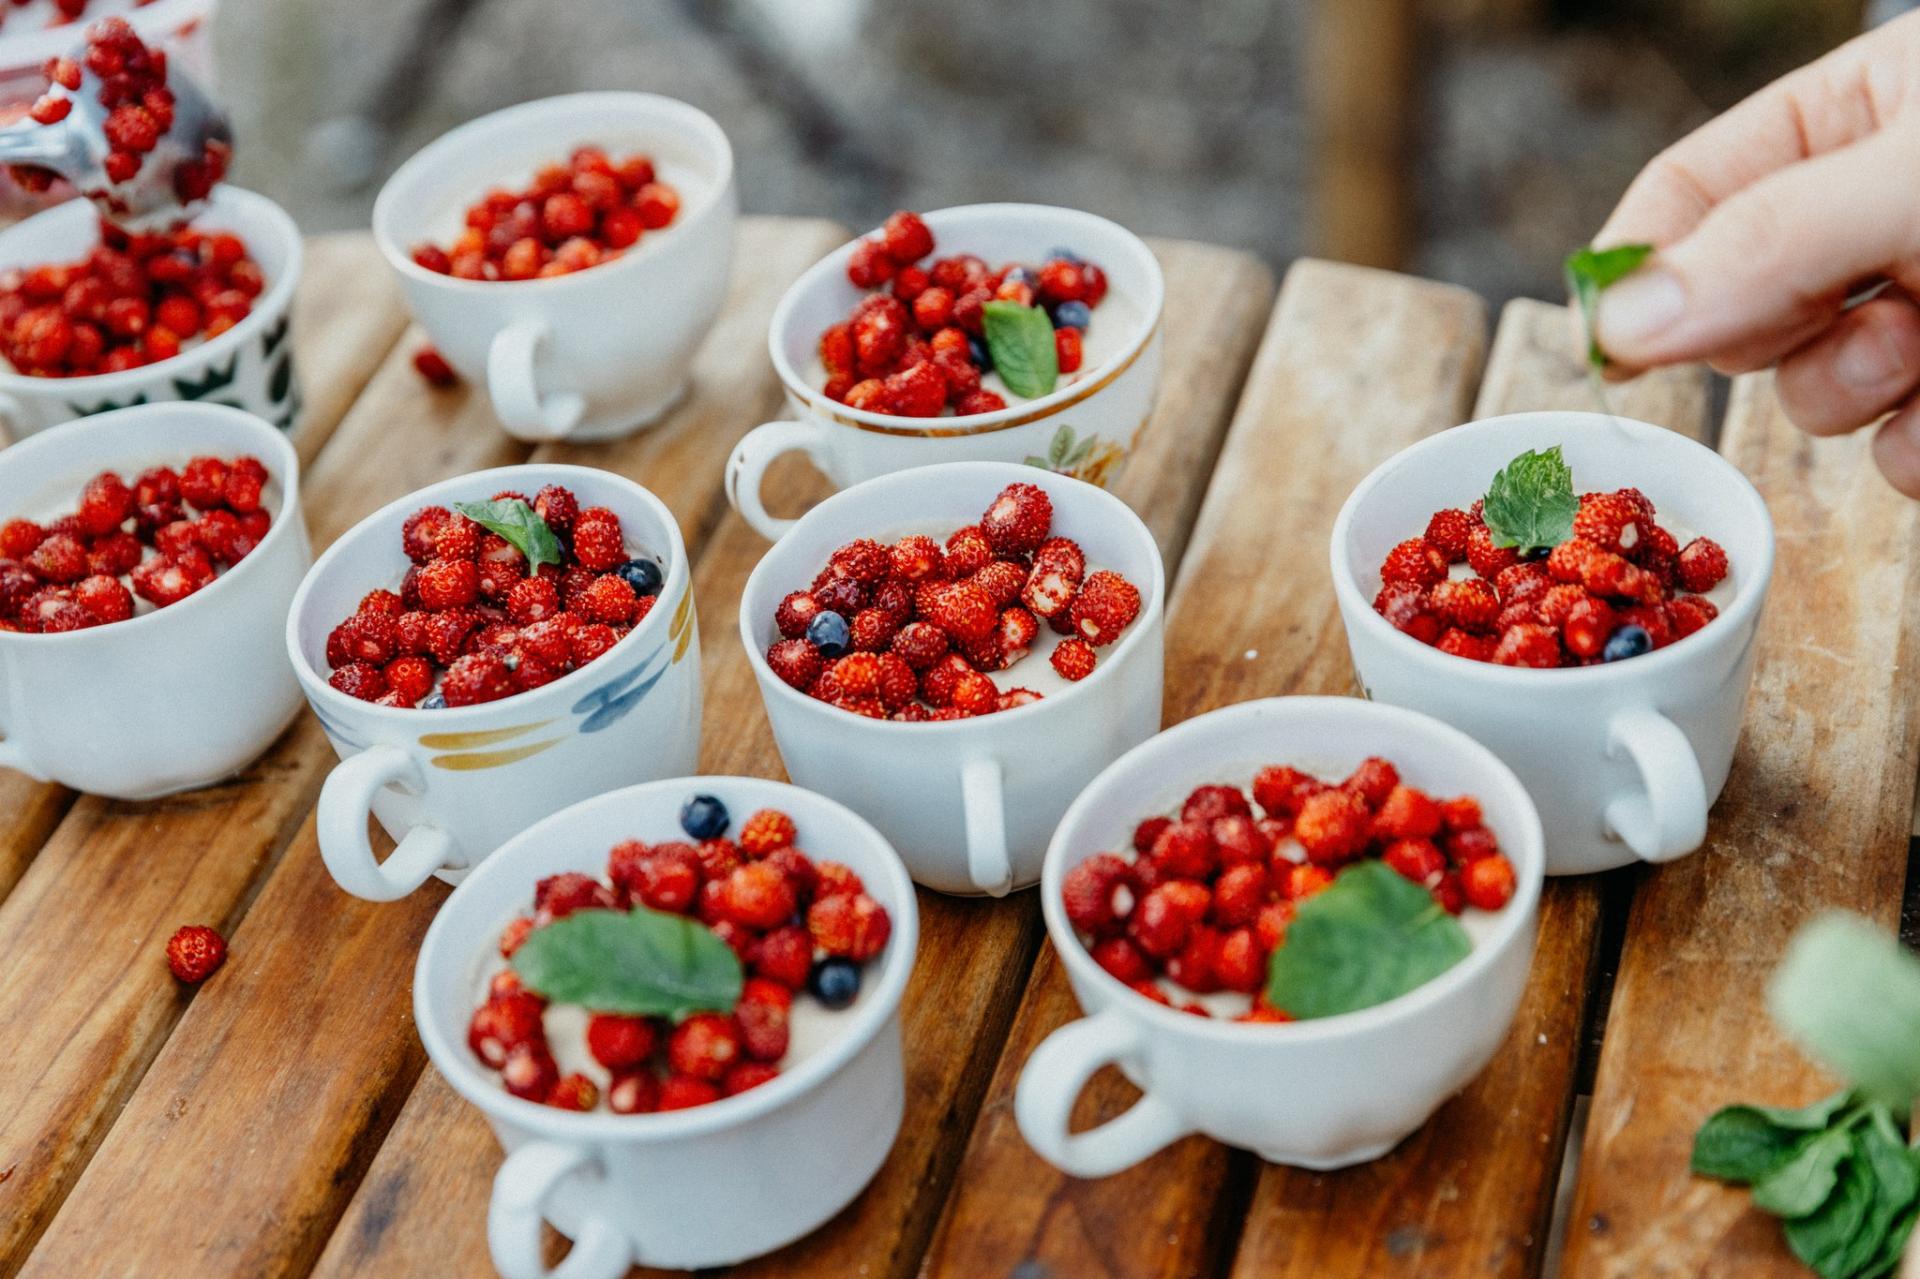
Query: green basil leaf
{"points": [[1740, 1144], [519, 524], [1850, 996], [1531, 504], [1590, 270], [1825, 1238], [1370, 936], [1804, 1181], [1020, 340], [1892, 1248], [1895, 1182], [645, 963]]}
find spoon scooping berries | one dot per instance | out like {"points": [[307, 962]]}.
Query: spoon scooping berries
{"points": [[144, 143]]}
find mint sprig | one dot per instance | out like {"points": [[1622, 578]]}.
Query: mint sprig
{"points": [[1020, 340], [1531, 504], [514, 520], [1370, 936], [644, 963], [1591, 270]]}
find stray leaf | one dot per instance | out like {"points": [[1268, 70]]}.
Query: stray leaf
{"points": [[1371, 936], [1850, 997], [1742, 1144], [1020, 340], [644, 963], [1591, 270], [514, 520], [1531, 504]]}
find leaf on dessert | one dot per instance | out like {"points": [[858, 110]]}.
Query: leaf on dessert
{"points": [[643, 963], [1591, 270], [1371, 936], [1531, 504], [1020, 340], [516, 521]]}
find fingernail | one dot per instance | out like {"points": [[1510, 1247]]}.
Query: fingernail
{"points": [[1868, 359], [1639, 307]]}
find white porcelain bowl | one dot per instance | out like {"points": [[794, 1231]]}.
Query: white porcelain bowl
{"points": [[596, 353], [702, 1187], [1318, 1094], [172, 698]]}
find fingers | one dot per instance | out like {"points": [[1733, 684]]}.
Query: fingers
{"points": [[1864, 365], [1779, 254], [1896, 450]]}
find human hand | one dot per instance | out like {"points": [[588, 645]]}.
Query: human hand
{"points": [[1767, 219]]}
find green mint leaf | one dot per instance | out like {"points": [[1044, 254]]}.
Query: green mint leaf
{"points": [[1020, 340], [517, 522], [1850, 996], [1826, 1237], [1742, 1144], [1530, 505], [1803, 1183], [645, 963], [1892, 1248], [1895, 1182], [1590, 270], [1371, 936]]}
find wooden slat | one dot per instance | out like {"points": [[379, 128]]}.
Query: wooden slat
{"points": [[84, 990], [1815, 815], [289, 1068], [1356, 363], [422, 1208], [1469, 1195]]}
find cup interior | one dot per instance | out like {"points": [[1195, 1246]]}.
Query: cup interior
{"points": [[1327, 737], [427, 199], [936, 500], [461, 941], [369, 557], [998, 233]]}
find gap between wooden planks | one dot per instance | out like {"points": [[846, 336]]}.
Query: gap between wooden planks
{"points": [[288, 1067], [422, 1207], [1815, 815]]}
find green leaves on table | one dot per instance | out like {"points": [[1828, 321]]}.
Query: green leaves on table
{"points": [[1370, 936], [1020, 340], [514, 520], [1850, 997], [1591, 270], [1531, 504], [645, 963]]}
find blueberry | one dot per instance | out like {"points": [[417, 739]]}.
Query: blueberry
{"points": [[642, 575], [1072, 315], [1020, 275], [436, 701], [703, 817], [1628, 641], [835, 981], [981, 356], [1535, 554], [828, 632], [1058, 254]]}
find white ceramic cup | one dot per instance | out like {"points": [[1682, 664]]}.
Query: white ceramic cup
{"points": [[1317, 1094], [453, 784], [690, 1188], [597, 353], [249, 367], [172, 698], [969, 803], [1624, 759], [1085, 428]]}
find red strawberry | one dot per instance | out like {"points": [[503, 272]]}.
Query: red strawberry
{"points": [[1479, 648], [1106, 605], [906, 238], [1099, 893], [195, 952], [1334, 826], [1414, 560], [533, 599], [618, 1042], [476, 677], [1468, 603], [968, 551], [1702, 565], [704, 1046], [1448, 531], [1018, 519], [1536, 646], [59, 558], [597, 539], [105, 598], [504, 1023], [795, 661], [919, 644], [445, 584], [529, 1072], [1611, 521], [1073, 658], [965, 611], [1404, 605]]}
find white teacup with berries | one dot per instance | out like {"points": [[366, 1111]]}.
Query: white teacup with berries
{"points": [[1582, 594]]}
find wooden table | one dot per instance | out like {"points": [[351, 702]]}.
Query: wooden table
{"points": [[280, 1118]]}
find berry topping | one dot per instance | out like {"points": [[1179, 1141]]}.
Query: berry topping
{"points": [[195, 952]]}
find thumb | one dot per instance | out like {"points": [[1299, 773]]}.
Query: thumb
{"points": [[1771, 257]]}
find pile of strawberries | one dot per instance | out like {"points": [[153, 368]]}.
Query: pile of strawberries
{"points": [[1207, 896], [1619, 587], [918, 349], [771, 903], [909, 632], [168, 534], [469, 616], [135, 300], [574, 216]]}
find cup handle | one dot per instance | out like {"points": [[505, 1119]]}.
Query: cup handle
{"points": [[346, 801], [983, 799], [1052, 1079], [752, 456], [513, 1218], [516, 395], [1668, 819]]}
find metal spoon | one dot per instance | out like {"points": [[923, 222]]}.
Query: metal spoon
{"points": [[76, 148]]}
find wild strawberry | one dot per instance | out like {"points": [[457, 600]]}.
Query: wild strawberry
{"points": [[381, 601], [796, 662], [1447, 532], [1478, 648], [1519, 583], [442, 634], [557, 896], [105, 598], [445, 584], [1372, 780], [633, 1092], [981, 401], [203, 481], [1488, 882], [1407, 813], [1460, 813], [667, 878], [1150, 990], [246, 482], [620, 1043], [1609, 520], [1099, 893], [1270, 925], [703, 1046], [477, 677], [916, 391], [1414, 560], [104, 503], [965, 611], [1073, 658], [1588, 626], [504, 1023], [1122, 958], [1689, 613], [1417, 859], [1106, 605], [1239, 962], [364, 637], [1017, 631], [529, 1072], [766, 830], [359, 679], [1194, 965], [1484, 557], [863, 560], [1469, 603], [1558, 603], [1002, 580], [1610, 574], [1186, 850], [895, 683], [513, 934], [574, 1092], [1535, 646], [1404, 605], [1702, 565], [905, 237], [19, 537], [784, 955], [968, 551], [938, 682], [919, 644], [195, 952], [975, 694], [533, 599], [1018, 518], [1239, 893], [59, 558], [591, 642], [748, 1075], [598, 543], [849, 924], [1651, 618], [1282, 791], [410, 677], [1165, 916], [684, 1092], [1569, 561], [1068, 349], [1658, 553], [1333, 826], [872, 629], [1471, 844], [608, 599]]}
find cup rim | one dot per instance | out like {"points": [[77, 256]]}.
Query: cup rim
{"points": [[1091, 381], [1152, 606], [696, 121], [1516, 916], [882, 1001], [1730, 624], [271, 303], [678, 574], [284, 467]]}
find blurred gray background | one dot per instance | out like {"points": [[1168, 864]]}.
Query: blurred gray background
{"points": [[1471, 140]]}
